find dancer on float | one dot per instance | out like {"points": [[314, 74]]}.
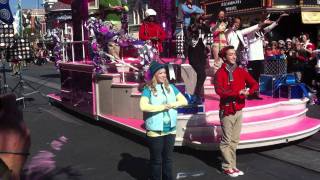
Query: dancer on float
{"points": [[159, 101], [198, 32], [151, 31], [235, 38], [218, 29], [230, 84], [256, 51]]}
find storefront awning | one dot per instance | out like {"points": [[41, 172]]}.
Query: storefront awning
{"points": [[310, 17]]}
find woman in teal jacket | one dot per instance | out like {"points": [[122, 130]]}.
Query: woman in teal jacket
{"points": [[159, 101]]}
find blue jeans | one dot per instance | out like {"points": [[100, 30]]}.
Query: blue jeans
{"points": [[161, 151]]}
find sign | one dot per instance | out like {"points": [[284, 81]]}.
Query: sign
{"points": [[311, 2], [310, 17], [286, 2], [64, 17], [233, 6]]}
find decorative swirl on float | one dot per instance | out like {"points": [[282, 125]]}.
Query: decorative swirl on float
{"points": [[4, 1], [5, 14]]}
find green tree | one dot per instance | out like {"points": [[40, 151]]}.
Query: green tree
{"points": [[114, 9]]}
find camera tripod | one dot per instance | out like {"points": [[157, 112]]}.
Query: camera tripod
{"points": [[4, 86], [19, 88]]}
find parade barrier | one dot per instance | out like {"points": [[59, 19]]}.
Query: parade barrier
{"points": [[275, 65]]}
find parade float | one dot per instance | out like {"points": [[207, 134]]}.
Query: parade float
{"points": [[105, 87]]}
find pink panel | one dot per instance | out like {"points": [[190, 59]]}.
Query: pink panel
{"points": [[212, 102], [307, 123], [129, 122], [259, 118], [304, 125], [55, 96]]}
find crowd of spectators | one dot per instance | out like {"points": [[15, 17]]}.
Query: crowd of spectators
{"points": [[299, 54]]}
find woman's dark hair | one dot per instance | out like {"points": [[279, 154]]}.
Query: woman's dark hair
{"points": [[306, 34], [231, 21], [234, 19], [219, 10]]}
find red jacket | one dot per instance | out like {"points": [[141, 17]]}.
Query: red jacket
{"points": [[230, 100], [150, 29]]}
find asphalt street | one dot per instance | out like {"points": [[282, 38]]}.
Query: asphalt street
{"points": [[67, 146]]}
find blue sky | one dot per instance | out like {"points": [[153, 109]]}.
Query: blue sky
{"points": [[25, 4]]}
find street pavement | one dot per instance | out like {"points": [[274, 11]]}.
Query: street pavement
{"points": [[67, 146]]}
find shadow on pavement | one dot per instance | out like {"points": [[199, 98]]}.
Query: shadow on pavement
{"points": [[211, 158], [105, 125], [136, 167], [50, 76]]}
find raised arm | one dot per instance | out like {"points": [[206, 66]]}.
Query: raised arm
{"points": [[249, 30], [274, 24], [255, 28]]}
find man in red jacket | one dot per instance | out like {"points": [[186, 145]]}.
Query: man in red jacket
{"points": [[151, 31], [230, 84]]}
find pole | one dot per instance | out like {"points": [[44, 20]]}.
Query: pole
{"points": [[20, 17], [83, 42], [72, 45]]}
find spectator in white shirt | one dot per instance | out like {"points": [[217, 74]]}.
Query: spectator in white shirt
{"points": [[256, 50], [235, 38]]}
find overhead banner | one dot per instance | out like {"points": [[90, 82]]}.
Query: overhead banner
{"points": [[310, 17], [233, 6], [286, 2]]}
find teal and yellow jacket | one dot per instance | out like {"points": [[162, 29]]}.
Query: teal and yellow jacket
{"points": [[157, 117]]}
